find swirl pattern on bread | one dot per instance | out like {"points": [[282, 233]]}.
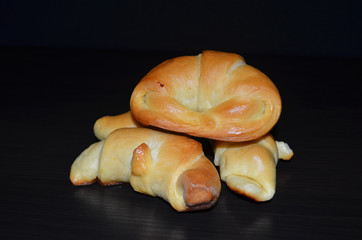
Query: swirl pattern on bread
{"points": [[213, 95]]}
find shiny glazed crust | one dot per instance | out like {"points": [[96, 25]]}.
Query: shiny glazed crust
{"points": [[107, 124], [158, 164], [249, 168], [214, 95]]}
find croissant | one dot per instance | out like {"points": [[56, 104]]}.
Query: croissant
{"points": [[107, 124], [249, 168], [158, 164], [213, 95]]}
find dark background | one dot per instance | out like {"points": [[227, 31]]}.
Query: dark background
{"points": [[300, 28], [64, 64]]}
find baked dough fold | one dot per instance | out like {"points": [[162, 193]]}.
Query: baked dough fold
{"points": [[249, 168], [157, 164], [214, 95]]}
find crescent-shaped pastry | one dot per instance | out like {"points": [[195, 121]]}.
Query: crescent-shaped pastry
{"points": [[158, 164], [214, 95], [249, 168], [107, 124]]}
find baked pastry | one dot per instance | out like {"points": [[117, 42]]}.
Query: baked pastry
{"points": [[107, 124], [213, 95], [249, 168], [158, 164]]}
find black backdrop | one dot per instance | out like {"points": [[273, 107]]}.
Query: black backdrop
{"points": [[67, 63], [299, 28]]}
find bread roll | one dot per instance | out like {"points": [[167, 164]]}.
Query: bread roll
{"points": [[158, 164], [249, 168], [107, 124], [214, 95]]}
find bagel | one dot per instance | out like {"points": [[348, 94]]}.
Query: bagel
{"points": [[213, 95]]}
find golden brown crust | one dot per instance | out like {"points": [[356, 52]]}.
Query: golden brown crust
{"points": [[107, 124], [141, 161], [249, 168], [200, 190], [158, 164], [213, 95]]}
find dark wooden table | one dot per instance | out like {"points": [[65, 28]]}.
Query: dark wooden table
{"points": [[50, 99]]}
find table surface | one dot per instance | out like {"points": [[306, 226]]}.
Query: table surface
{"points": [[52, 97]]}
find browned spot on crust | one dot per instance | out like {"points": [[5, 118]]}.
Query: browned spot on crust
{"points": [[107, 183], [199, 189], [80, 183], [161, 84]]}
